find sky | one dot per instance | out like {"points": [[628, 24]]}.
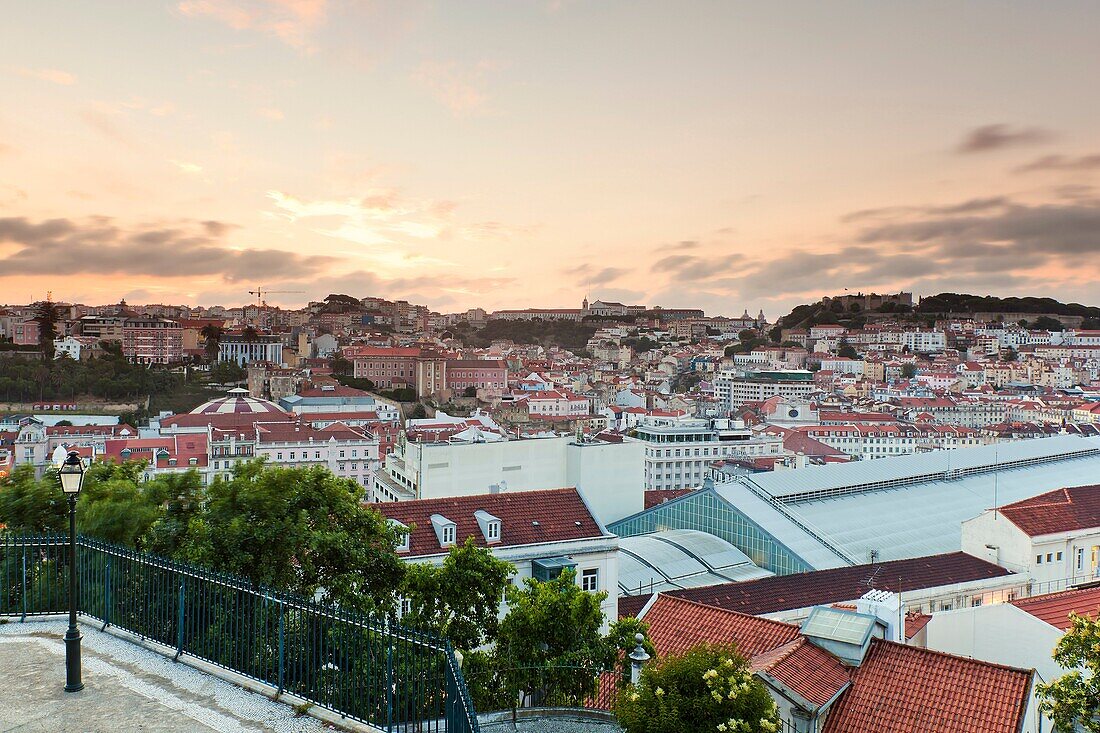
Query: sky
{"points": [[528, 153]]}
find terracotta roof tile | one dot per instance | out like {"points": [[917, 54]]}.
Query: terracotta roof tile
{"points": [[676, 625], [805, 668], [1061, 510], [904, 689], [1054, 608], [526, 518]]}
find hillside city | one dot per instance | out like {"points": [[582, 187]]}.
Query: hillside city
{"points": [[867, 496]]}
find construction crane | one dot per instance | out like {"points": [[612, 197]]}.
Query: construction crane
{"points": [[261, 291]]}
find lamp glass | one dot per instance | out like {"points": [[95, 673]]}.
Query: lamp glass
{"points": [[71, 474]]}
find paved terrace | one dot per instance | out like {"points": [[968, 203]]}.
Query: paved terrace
{"points": [[126, 688]]}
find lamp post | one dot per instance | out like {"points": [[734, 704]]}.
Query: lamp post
{"points": [[71, 474]]}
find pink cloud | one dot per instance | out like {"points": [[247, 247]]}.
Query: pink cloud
{"points": [[291, 21], [461, 90], [54, 76]]}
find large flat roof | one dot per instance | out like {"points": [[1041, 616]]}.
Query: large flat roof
{"points": [[908, 506]]}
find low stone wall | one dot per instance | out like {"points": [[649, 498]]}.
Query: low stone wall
{"points": [[549, 720]]}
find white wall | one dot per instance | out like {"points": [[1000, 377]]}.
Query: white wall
{"points": [[1002, 634], [610, 476]]}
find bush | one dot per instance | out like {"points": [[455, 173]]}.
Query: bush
{"points": [[707, 688]]}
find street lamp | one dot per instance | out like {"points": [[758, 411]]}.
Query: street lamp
{"points": [[71, 474]]}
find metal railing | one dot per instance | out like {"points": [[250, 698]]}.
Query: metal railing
{"points": [[548, 686], [391, 677]]}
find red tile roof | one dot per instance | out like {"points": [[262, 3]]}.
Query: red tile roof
{"points": [[825, 587], [1061, 510], [914, 622], [653, 497], [805, 668], [905, 689], [676, 625], [526, 518], [1054, 608]]}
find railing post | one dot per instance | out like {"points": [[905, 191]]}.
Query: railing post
{"points": [[389, 680], [282, 646], [107, 595], [24, 586], [179, 627]]}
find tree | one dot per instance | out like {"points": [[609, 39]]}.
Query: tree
{"points": [[32, 506], [622, 637], [212, 336], [1046, 323], [469, 392], [116, 506], [418, 412], [461, 599], [707, 688], [908, 370], [250, 334], [341, 366], [301, 530], [846, 350], [776, 334], [1010, 354], [46, 315], [553, 622], [1073, 700]]}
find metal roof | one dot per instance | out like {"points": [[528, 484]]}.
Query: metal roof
{"points": [[681, 558], [915, 512], [806, 483]]}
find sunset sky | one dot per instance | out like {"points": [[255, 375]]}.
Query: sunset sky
{"points": [[726, 155]]}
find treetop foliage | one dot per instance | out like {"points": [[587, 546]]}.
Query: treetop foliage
{"points": [[707, 688]]}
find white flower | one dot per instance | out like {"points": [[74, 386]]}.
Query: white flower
{"points": [[659, 692]]}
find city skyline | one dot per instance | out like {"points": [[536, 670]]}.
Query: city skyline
{"points": [[508, 155]]}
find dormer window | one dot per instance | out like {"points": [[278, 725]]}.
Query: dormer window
{"points": [[490, 526], [445, 530], [402, 536]]}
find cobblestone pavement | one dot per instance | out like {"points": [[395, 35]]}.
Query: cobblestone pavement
{"points": [[127, 688]]}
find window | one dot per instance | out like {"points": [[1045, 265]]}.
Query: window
{"points": [[492, 531], [1058, 557], [590, 580], [1049, 557], [1080, 558], [449, 535], [1038, 559], [945, 607], [976, 602]]}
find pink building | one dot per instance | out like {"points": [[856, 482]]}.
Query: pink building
{"points": [[489, 374]]}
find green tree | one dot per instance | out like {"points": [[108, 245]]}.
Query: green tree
{"points": [[418, 412], [212, 336], [301, 530], [340, 365], [776, 334], [553, 622], [1046, 323], [908, 370], [1010, 354], [460, 599], [622, 637], [32, 506], [116, 506], [707, 688], [46, 315], [1073, 700], [847, 351], [469, 392]]}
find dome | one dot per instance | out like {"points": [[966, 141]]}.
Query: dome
{"points": [[237, 403]]}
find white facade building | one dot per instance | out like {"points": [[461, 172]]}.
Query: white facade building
{"points": [[610, 476], [678, 456]]}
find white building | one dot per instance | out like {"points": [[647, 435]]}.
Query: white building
{"points": [[734, 390], [1053, 537], [556, 403], [610, 476], [540, 532], [244, 351], [678, 455]]}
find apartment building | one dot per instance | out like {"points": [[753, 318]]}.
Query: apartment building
{"points": [[678, 454]]}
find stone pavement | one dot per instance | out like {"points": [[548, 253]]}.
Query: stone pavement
{"points": [[126, 688]]}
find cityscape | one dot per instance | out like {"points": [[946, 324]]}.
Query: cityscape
{"points": [[544, 414]]}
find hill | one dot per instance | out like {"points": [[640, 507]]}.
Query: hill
{"points": [[933, 307]]}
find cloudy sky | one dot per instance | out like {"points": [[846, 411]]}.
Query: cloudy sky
{"points": [[529, 152]]}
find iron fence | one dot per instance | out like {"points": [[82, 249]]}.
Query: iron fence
{"points": [[388, 676]]}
